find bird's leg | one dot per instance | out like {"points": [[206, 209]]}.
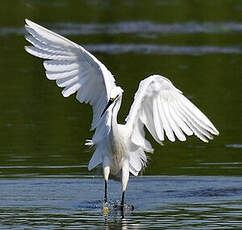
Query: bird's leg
{"points": [[125, 179], [105, 191], [106, 171], [122, 201]]}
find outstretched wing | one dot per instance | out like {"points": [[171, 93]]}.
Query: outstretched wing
{"points": [[73, 68], [163, 109]]}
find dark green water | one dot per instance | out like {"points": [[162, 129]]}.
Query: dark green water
{"points": [[44, 181]]}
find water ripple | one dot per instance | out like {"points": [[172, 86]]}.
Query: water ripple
{"points": [[162, 49], [76, 203], [135, 27], [149, 27], [235, 146]]}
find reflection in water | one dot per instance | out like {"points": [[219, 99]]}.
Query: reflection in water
{"points": [[120, 224]]}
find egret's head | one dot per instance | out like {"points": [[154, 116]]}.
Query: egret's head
{"points": [[116, 93]]}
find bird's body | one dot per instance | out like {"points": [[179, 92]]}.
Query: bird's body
{"points": [[119, 148], [158, 105]]}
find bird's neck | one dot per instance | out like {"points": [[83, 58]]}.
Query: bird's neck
{"points": [[116, 145], [114, 123]]}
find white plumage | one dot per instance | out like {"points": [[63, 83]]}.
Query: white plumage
{"points": [[158, 105]]}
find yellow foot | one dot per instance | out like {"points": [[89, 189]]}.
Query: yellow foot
{"points": [[105, 210]]}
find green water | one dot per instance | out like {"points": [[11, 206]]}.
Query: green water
{"points": [[196, 44]]}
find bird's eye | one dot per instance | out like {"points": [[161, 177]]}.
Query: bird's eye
{"points": [[114, 98]]}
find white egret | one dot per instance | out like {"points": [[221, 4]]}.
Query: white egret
{"points": [[158, 105]]}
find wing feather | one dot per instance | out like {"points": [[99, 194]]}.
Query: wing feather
{"points": [[73, 68], [149, 121], [38, 44], [61, 65], [157, 120], [52, 75], [46, 54], [162, 108], [67, 81], [164, 117], [173, 123], [182, 125], [197, 123], [180, 120], [198, 115], [70, 89]]}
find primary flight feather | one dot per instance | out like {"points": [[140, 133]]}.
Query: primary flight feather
{"points": [[158, 105]]}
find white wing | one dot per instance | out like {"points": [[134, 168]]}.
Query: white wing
{"points": [[163, 109], [73, 68]]}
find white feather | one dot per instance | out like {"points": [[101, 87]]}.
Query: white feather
{"points": [[172, 111], [69, 60], [62, 74], [158, 105]]}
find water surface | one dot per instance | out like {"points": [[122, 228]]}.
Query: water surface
{"points": [[159, 203], [44, 179]]}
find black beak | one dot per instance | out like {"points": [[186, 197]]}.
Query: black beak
{"points": [[109, 103]]}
